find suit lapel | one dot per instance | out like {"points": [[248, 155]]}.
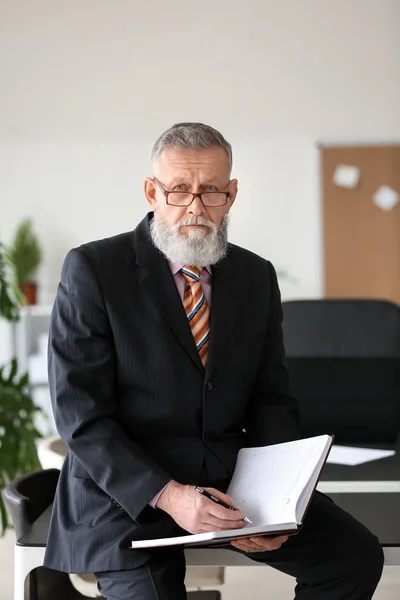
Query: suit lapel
{"points": [[226, 299], [158, 284]]}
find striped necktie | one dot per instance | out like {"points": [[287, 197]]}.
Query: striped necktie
{"points": [[197, 310]]}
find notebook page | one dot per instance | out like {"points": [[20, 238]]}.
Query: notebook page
{"points": [[302, 501], [264, 479]]}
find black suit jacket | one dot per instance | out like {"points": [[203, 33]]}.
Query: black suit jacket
{"points": [[131, 398]]}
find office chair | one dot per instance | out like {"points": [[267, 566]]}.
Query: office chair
{"points": [[27, 498], [344, 363]]}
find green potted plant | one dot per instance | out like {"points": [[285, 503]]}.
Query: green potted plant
{"points": [[18, 434], [26, 254]]}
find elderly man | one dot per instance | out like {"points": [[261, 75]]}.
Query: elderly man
{"points": [[166, 357]]}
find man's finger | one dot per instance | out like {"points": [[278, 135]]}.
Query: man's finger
{"points": [[222, 524], [259, 543], [218, 511], [244, 546], [273, 542]]}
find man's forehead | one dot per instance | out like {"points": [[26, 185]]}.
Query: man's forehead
{"points": [[183, 161]]}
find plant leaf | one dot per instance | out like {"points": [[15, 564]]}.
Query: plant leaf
{"points": [[3, 516], [18, 434]]}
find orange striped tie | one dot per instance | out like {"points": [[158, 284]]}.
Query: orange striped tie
{"points": [[197, 310]]}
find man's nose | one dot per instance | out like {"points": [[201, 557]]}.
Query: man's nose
{"points": [[197, 207]]}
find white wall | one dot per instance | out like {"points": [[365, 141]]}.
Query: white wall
{"points": [[86, 87]]}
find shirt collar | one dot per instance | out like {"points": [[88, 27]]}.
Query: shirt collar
{"points": [[176, 267]]}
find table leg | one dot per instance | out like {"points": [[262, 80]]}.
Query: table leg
{"points": [[26, 559]]}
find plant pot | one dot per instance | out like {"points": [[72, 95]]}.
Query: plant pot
{"points": [[30, 291]]}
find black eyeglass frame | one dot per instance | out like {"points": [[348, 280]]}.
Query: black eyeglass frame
{"points": [[198, 195]]}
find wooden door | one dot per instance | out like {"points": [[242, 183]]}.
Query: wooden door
{"points": [[361, 240]]}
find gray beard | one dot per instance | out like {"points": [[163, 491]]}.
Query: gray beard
{"points": [[199, 248]]}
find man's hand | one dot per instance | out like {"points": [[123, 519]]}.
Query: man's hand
{"points": [[196, 513], [259, 543]]}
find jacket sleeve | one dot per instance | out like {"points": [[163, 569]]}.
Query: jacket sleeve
{"points": [[272, 414], [82, 368]]}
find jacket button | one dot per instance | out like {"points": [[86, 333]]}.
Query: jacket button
{"points": [[209, 386]]}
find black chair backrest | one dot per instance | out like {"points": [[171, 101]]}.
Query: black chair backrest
{"points": [[344, 362], [341, 328], [28, 496]]}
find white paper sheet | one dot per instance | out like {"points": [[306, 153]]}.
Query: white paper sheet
{"points": [[358, 487], [346, 176], [345, 455]]}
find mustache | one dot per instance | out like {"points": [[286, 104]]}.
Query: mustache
{"points": [[196, 221]]}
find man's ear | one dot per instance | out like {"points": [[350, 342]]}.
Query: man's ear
{"points": [[150, 192], [233, 190]]}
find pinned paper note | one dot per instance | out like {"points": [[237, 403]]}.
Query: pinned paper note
{"points": [[346, 176], [385, 197], [347, 455]]}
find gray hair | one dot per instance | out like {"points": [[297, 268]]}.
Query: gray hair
{"points": [[192, 136]]}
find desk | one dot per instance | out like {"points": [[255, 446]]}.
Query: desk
{"points": [[380, 512], [381, 475], [370, 492]]}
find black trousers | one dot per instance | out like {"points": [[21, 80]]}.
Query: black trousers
{"points": [[333, 557]]}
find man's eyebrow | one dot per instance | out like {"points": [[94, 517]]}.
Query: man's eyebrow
{"points": [[183, 180], [179, 180]]}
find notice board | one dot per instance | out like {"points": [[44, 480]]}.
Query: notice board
{"points": [[361, 221]]}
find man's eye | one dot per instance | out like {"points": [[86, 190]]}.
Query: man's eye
{"points": [[180, 188], [210, 188]]}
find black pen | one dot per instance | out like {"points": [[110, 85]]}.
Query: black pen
{"points": [[218, 501]]}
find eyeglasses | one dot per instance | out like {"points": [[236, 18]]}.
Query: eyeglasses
{"points": [[184, 198]]}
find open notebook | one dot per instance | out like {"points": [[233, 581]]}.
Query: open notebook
{"points": [[272, 485]]}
